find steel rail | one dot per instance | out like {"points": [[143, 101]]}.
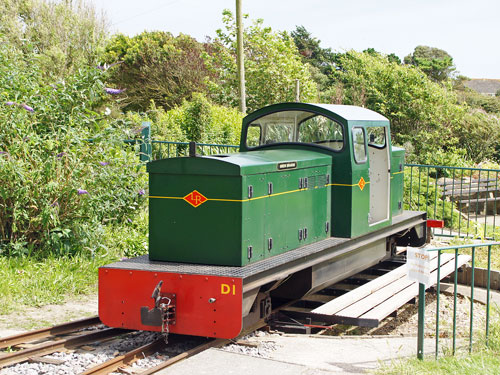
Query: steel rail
{"points": [[126, 359], [47, 332], [53, 346]]}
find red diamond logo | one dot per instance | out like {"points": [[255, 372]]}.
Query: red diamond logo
{"points": [[361, 183], [195, 198]]}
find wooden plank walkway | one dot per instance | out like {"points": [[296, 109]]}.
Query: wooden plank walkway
{"points": [[377, 299]]}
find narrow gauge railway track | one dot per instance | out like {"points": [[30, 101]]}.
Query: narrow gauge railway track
{"points": [[133, 355], [54, 341], [127, 359], [38, 334], [53, 345]]}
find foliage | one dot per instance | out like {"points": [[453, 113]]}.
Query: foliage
{"points": [[394, 58], [156, 66], [272, 66], [453, 157], [58, 188], [488, 104], [130, 237], [479, 135], [197, 120], [422, 194], [64, 36], [435, 62], [322, 59], [423, 113]]}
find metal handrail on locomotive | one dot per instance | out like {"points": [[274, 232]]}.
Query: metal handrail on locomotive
{"points": [[313, 197]]}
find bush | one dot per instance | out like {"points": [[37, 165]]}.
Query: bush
{"points": [[423, 194], [65, 35], [196, 120], [58, 188], [156, 66]]}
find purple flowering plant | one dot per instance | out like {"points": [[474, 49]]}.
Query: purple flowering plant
{"points": [[27, 107], [112, 91]]}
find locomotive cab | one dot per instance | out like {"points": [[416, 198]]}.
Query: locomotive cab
{"points": [[367, 181]]}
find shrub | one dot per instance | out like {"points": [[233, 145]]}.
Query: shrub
{"points": [[423, 113], [58, 188], [423, 194], [66, 35], [156, 66], [196, 120]]}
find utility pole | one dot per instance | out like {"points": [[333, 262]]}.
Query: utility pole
{"points": [[240, 60]]}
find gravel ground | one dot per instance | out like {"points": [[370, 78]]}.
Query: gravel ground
{"points": [[75, 362], [262, 348]]}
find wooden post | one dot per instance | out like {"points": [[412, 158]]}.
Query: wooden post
{"points": [[240, 59]]}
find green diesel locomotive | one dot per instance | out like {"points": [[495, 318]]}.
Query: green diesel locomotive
{"points": [[314, 195], [305, 172]]}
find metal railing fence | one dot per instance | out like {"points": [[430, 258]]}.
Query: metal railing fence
{"points": [[421, 298], [167, 149], [467, 199], [151, 149]]}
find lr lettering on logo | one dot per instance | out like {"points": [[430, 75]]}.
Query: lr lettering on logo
{"points": [[195, 198], [226, 289]]}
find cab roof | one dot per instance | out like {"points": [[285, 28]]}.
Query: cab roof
{"points": [[348, 113]]}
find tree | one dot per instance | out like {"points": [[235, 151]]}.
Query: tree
{"points": [[65, 36], [435, 62], [394, 58], [156, 66], [309, 48], [272, 66], [424, 115]]}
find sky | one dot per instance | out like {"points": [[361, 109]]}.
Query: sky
{"points": [[467, 30]]}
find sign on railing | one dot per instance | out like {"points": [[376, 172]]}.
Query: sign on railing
{"points": [[419, 265]]}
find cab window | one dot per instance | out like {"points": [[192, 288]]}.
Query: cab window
{"points": [[253, 135], [298, 127], [358, 141], [376, 136]]}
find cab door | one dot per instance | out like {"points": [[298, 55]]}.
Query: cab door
{"points": [[379, 172]]}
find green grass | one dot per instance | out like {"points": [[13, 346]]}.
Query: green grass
{"points": [[482, 360], [481, 253], [32, 282]]}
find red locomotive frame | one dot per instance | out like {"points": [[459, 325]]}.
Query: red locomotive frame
{"points": [[203, 305]]}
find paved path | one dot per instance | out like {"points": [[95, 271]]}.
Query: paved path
{"points": [[303, 355]]}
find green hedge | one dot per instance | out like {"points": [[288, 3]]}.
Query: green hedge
{"points": [[58, 189]]}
